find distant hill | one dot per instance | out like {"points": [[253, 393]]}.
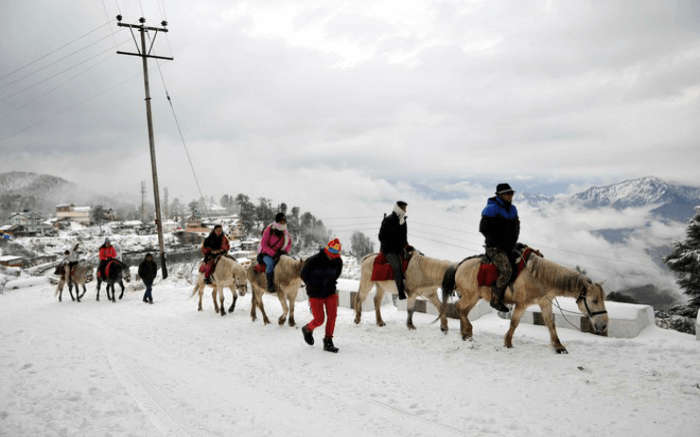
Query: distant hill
{"points": [[38, 192]]}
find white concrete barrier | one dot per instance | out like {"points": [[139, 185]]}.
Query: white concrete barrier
{"points": [[424, 306], [625, 320], [347, 289]]}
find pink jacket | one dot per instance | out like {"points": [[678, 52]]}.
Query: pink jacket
{"points": [[270, 243]]}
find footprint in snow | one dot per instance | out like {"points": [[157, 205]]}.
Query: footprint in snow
{"points": [[26, 366]]}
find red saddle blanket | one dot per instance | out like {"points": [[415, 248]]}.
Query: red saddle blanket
{"points": [[488, 273], [109, 264], [259, 268], [381, 269]]}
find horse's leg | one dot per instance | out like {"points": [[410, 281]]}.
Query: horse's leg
{"points": [[200, 292], [70, 290], [435, 300], [464, 306], [261, 307], [114, 292], [84, 291], [220, 292], [253, 302], [283, 301], [59, 291], [378, 304], [410, 309], [292, 301], [121, 284], [99, 283], [235, 297], [362, 292], [213, 299], [514, 321], [77, 291], [546, 307]]}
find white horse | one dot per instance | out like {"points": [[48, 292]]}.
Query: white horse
{"points": [[228, 274]]}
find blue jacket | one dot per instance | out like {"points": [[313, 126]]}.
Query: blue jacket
{"points": [[500, 224]]}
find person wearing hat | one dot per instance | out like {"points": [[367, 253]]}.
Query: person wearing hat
{"points": [[214, 245], [107, 253], [147, 272], [320, 274], [501, 227], [274, 243], [393, 238]]}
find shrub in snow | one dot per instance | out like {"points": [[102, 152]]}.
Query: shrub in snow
{"points": [[685, 262]]}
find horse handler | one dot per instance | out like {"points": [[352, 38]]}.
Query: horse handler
{"points": [[320, 274]]}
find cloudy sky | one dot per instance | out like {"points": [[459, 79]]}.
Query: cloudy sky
{"points": [[345, 106]]}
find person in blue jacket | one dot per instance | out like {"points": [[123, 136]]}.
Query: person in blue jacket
{"points": [[501, 227]]}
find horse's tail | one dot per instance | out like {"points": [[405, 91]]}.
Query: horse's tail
{"points": [[448, 286]]}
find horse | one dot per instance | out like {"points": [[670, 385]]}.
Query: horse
{"points": [[287, 283], [117, 271], [228, 273], [79, 275], [540, 281], [422, 278]]}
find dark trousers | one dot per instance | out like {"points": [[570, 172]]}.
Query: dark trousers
{"points": [[500, 259], [394, 260], [147, 295]]}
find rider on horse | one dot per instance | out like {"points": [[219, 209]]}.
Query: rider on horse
{"points": [[393, 236], [275, 242], [501, 227], [70, 259], [107, 253], [214, 245]]}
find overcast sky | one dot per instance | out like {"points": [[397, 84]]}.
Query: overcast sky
{"points": [[343, 107]]}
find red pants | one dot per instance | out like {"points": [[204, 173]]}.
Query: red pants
{"points": [[331, 304]]}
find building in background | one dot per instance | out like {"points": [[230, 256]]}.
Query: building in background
{"points": [[80, 214]]}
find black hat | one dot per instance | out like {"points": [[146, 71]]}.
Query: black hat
{"points": [[402, 204], [280, 216], [504, 189]]}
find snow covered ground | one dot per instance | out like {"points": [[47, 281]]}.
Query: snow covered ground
{"points": [[98, 368]]}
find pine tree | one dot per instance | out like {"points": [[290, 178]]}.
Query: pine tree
{"points": [[685, 261], [360, 245]]}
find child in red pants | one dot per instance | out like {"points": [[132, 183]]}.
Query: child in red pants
{"points": [[320, 274]]}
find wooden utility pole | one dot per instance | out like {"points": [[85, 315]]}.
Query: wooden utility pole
{"points": [[144, 55]]}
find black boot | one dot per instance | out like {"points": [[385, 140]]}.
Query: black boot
{"points": [[402, 292], [328, 345], [270, 282], [207, 279], [497, 299], [308, 335]]}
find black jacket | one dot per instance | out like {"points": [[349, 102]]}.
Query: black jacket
{"points": [[392, 235], [500, 224], [320, 274], [148, 270]]}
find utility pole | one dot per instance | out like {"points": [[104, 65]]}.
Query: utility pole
{"points": [[166, 207], [143, 201], [144, 55]]}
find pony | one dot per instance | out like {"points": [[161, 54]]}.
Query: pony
{"points": [[540, 281], [228, 273], [117, 271], [422, 278], [287, 283], [80, 274]]}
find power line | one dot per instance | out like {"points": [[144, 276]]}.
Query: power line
{"points": [[54, 50]]}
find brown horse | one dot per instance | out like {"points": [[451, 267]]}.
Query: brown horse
{"points": [[423, 277], [287, 283], [80, 274], [229, 274], [540, 281]]}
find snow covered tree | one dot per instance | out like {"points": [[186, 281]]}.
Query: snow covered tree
{"points": [[685, 261], [360, 245], [247, 212]]}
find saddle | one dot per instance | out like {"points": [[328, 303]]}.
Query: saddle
{"points": [[381, 269], [107, 268], [488, 272], [208, 267]]}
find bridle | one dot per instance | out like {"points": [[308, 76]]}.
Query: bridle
{"points": [[582, 297]]}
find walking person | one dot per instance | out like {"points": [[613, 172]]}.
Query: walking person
{"points": [[147, 272], [320, 274]]}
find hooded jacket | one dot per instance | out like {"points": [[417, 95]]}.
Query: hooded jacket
{"points": [[500, 224], [320, 274]]}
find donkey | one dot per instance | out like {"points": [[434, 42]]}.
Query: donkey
{"points": [[228, 273], [540, 281], [117, 271], [79, 276], [287, 283], [423, 277]]}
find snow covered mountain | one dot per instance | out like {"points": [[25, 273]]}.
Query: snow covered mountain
{"points": [[676, 202], [25, 190]]}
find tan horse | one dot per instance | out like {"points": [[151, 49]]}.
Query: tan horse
{"points": [[228, 274], [287, 283], [540, 281], [79, 275], [423, 277]]}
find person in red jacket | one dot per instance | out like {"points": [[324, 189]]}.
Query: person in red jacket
{"points": [[214, 245], [107, 253]]}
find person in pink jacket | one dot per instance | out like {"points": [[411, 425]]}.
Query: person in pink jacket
{"points": [[275, 242]]}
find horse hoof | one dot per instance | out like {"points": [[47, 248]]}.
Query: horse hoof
{"points": [[291, 322], [357, 320], [281, 321], [381, 323], [411, 327], [562, 351], [466, 338]]}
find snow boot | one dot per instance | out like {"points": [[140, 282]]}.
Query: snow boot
{"points": [[308, 335], [497, 299], [402, 292], [328, 345], [270, 282]]}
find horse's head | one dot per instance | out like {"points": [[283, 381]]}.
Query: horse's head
{"points": [[126, 272], [240, 279], [591, 302]]}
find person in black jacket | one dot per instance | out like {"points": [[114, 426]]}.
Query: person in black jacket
{"points": [[393, 238], [147, 272], [320, 274], [501, 227]]}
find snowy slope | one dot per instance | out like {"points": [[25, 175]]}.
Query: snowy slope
{"points": [[99, 368]]}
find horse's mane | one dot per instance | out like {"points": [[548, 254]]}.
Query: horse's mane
{"points": [[556, 276]]}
